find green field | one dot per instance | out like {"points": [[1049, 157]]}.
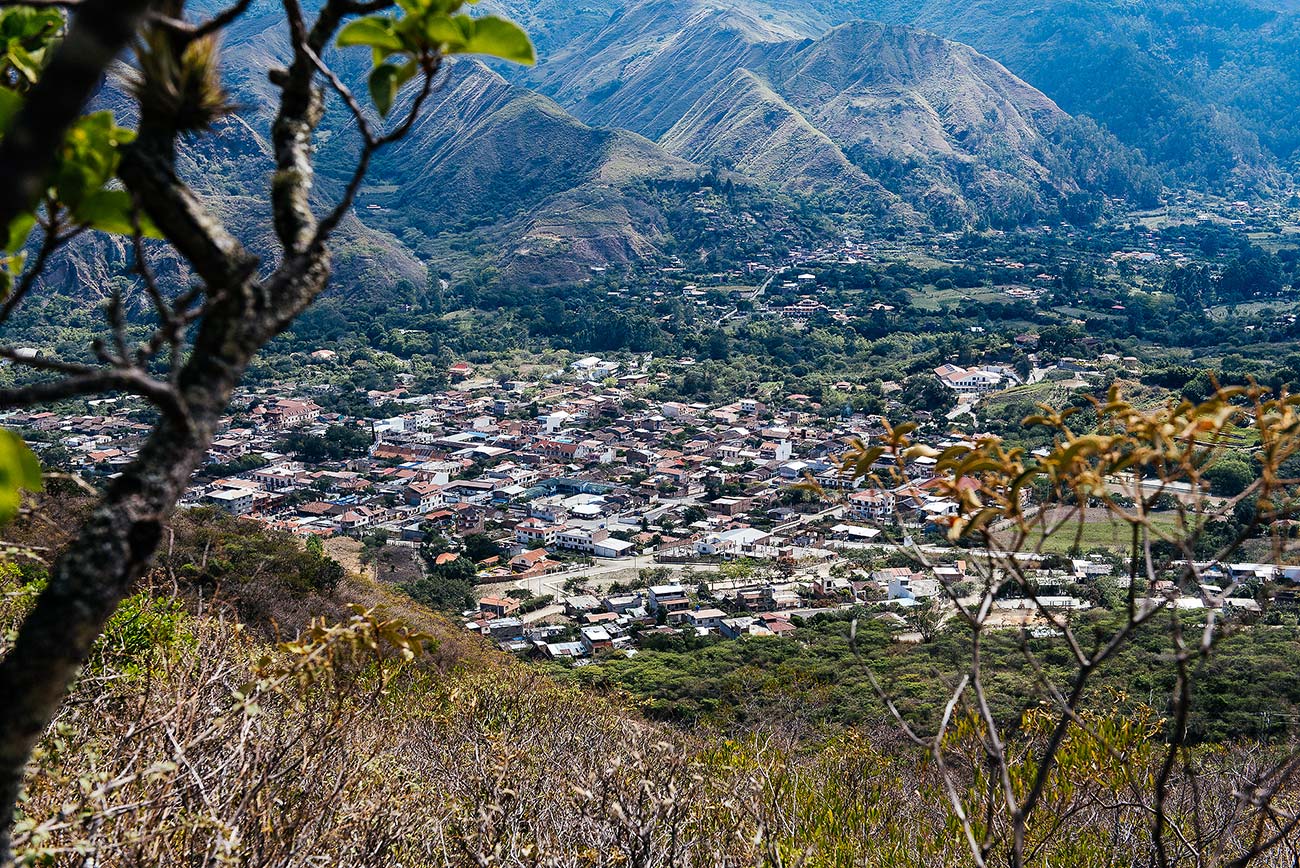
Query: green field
{"points": [[930, 298], [1279, 306], [1021, 401], [1090, 530]]}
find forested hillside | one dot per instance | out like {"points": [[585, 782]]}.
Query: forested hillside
{"points": [[1206, 90], [886, 125]]}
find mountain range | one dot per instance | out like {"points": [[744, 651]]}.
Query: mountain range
{"points": [[1209, 90], [539, 175], [871, 117]]}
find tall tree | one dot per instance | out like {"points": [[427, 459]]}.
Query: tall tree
{"points": [[64, 172]]}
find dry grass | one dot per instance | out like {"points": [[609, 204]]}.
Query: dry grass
{"points": [[346, 551], [191, 741], [1089, 530]]}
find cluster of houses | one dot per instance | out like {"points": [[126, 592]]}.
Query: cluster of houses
{"points": [[559, 470], [586, 625], [559, 464], [620, 622], [563, 472]]}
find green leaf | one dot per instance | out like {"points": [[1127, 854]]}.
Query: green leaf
{"points": [[10, 103], [19, 470], [26, 35], [89, 158], [27, 64], [450, 34], [29, 24], [496, 37], [110, 211], [383, 86], [375, 32], [406, 72], [19, 230]]}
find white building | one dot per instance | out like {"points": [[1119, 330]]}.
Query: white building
{"points": [[706, 618], [968, 381], [236, 501], [736, 542], [872, 504], [658, 593], [275, 478], [912, 588]]}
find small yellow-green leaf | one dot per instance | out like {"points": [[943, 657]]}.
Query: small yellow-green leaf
{"points": [[110, 211], [10, 103], [19, 230], [406, 72], [375, 32], [28, 65], [19, 471], [496, 37], [383, 86]]}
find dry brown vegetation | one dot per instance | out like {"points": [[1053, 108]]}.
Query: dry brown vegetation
{"points": [[190, 739], [381, 734]]}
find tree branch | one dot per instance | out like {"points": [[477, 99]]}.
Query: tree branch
{"points": [[130, 380], [216, 255], [301, 107], [49, 244], [99, 32], [187, 32], [371, 147], [116, 544]]}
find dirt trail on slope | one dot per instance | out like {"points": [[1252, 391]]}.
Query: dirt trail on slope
{"points": [[347, 551]]}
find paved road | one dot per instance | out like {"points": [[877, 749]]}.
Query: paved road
{"points": [[544, 612], [601, 575], [771, 276], [605, 572]]}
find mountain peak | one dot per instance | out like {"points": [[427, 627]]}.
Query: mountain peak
{"points": [[886, 119]]}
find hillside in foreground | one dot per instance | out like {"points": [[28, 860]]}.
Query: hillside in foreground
{"points": [[379, 734], [191, 734]]}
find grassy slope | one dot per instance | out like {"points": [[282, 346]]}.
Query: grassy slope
{"points": [[1095, 529], [190, 733]]}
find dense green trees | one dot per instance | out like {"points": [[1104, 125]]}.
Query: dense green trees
{"points": [[446, 586], [739, 682], [338, 442], [1231, 475], [480, 547], [212, 550]]}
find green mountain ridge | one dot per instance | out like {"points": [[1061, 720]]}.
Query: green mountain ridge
{"points": [[897, 119], [1209, 90], [492, 149], [891, 125], [766, 138], [549, 195]]}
